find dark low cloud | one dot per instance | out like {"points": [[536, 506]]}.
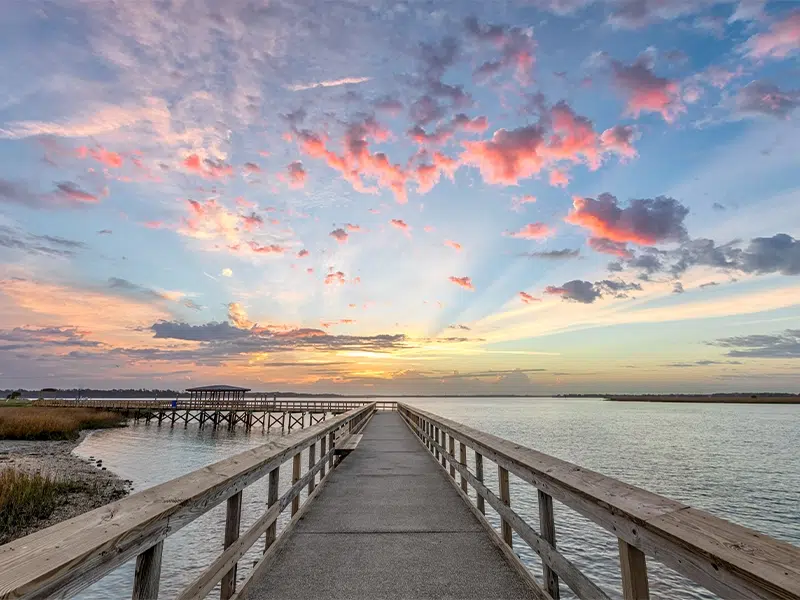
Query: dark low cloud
{"points": [[563, 254], [47, 245], [703, 363], [781, 345], [777, 254], [587, 292], [38, 337], [134, 289]]}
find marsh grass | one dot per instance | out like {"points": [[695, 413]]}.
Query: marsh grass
{"points": [[26, 499], [38, 423]]}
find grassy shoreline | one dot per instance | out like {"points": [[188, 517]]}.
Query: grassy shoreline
{"points": [[708, 399], [37, 423]]}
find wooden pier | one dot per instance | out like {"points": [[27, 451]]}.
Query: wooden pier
{"points": [[403, 516], [223, 411]]}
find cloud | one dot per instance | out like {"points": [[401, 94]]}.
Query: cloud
{"points": [[644, 221], [251, 222], [677, 288], [400, 224], [765, 98], [647, 92], [620, 139], [509, 156], [44, 245], [105, 232], [302, 253], [703, 363], [563, 254], [517, 202], [780, 345], [782, 39], [340, 235], [262, 249], [351, 227], [335, 278], [454, 245], [238, 316], [102, 155], [587, 292], [464, 282], [516, 45], [527, 298], [532, 231], [296, 174], [607, 246], [226, 272], [124, 286], [37, 337], [777, 254], [298, 87], [558, 178], [209, 220], [74, 193], [207, 168]]}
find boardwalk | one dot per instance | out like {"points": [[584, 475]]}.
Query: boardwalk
{"points": [[388, 524]]}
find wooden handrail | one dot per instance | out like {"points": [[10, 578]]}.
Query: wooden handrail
{"points": [[727, 559], [62, 560], [256, 404]]}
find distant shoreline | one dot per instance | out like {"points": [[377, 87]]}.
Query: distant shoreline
{"points": [[709, 399]]}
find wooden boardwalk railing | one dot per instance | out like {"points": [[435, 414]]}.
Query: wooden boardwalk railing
{"points": [[62, 560], [727, 559]]}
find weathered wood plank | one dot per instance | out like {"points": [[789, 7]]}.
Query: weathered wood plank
{"points": [[233, 519], [547, 527], [633, 567], [295, 479], [479, 476], [272, 498], [462, 459], [505, 498], [312, 460], [148, 573], [43, 565]]}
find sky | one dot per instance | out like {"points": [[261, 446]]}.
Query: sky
{"points": [[401, 197]]}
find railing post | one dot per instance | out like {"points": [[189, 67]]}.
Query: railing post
{"points": [[295, 479], [323, 450], [452, 452], [272, 498], [505, 498], [312, 458], [436, 439], [633, 565], [547, 528], [479, 477], [444, 447], [232, 520], [462, 460], [148, 573], [332, 444]]}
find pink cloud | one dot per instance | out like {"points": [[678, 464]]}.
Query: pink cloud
{"points": [[240, 201], [464, 282], [210, 219], [620, 139], [606, 246], [439, 136], [527, 298], [100, 154], [296, 174], [429, 229], [559, 178], [646, 92], [517, 202], [509, 156], [533, 231], [782, 39], [340, 235], [154, 224], [251, 221], [336, 278], [464, 123], [207, 168], [644, 221], [573, 137], [250, 168], [268, 249], [351, 227], [516, 45], [400, 224], [74, 193], [454, 245]]}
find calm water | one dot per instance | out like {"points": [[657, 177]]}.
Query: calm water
{"points": [[740, 462]]}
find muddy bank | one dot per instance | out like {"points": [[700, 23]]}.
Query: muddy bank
{"points": [[55, 459]]}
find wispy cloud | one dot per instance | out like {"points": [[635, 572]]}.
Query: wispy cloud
{"points": [[298, 87]]}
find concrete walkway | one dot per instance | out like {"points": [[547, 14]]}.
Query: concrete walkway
{"points": [[388, 524]]}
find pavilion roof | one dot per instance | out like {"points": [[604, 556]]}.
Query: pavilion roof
{"points": [[218, 388]]}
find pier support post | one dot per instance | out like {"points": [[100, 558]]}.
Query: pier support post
{"points": [[232, 520], [547, 529], [148, 573], [479, 476], [272, 498], [295, 479], [505, 498], [633, 565]]}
